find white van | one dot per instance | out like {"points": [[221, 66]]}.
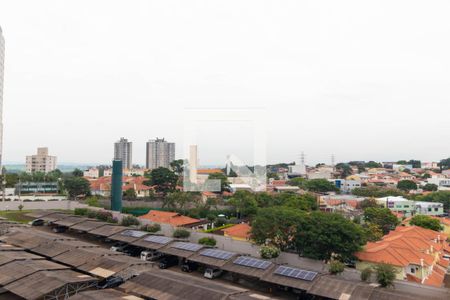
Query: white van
{"points": [[151, 255], [212, 273]]}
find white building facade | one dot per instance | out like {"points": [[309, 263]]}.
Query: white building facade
{"points": [[40, 162]]}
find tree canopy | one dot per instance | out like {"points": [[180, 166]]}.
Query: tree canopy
{"points": [[224, 184], [426, 222], [382, 217], [320, 186], [430, 187], [164, 179], [244, 203], [76, 186], [406, 185]]}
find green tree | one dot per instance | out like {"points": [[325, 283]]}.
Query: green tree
{"points": [[320, 186], [444, 164], [177, 166], [244, 204], [178, 200], [385, 274], [54, 175], [208, 241], [426, 222], [416, 164], [130, 221], [164, 179], [76, 186], [406, 185], [297, 181], [381, 217], [303, 202], [11, 179], [366, 274], [277, 225], [326, 235], [130, 194], [373, 232], [336, 267], [77, 173], [181, 233], [224, 184], [269, 252], [372, 164], [370, 202], [344, 169], [430, 187]]}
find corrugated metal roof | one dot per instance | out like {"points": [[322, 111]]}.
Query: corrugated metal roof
{"points": [[18, 269], [107, 230], [165, 285], [109, 294], [88, 225], [70, 221]]}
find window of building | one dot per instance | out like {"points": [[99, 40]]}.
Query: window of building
{"points": [[413, 270]]}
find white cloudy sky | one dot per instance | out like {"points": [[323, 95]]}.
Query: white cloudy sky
{"points": [[360, 79]]}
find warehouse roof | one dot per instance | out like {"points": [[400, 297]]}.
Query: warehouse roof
{"points": [[88, 225], [51, 249], [154, 242], [18, 269], [42, 283], [181, 249], [10, 256], [109, 294], [70, 221], [106, 266], [249, 266], [165, 285], [54, 217], [78, 257], [214, 260], [107, 230], [128, 235]]}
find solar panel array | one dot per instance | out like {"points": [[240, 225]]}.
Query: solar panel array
{"points": [[252, 262], [296, 273], [187, 246], [219, 254], [158, 239], [134, 233]]}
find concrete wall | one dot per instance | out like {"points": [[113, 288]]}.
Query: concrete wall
{"points": [[65, 204]]}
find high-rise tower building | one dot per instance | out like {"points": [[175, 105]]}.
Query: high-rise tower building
{"points": [[159, 153], [123, 151], [40, 162], [2, 66]]}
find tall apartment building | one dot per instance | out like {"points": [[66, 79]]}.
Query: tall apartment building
{"points": [[2, 61], [123, 151], [159, 153], [40, 162]]}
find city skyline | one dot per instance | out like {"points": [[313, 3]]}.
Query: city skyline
{"points": [[327, 89]]}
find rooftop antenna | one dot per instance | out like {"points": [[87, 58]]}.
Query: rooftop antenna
{"points": [[302, 158]]}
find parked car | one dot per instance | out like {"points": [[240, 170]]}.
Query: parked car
{"points": [[132, 251], [118, 247], [189, 266], [212, 273], [36, 222], [149, 255], [110, 282], [168, 262], [59, 229]]}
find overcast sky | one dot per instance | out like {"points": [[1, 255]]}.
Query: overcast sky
{"points": [[360, 79]]}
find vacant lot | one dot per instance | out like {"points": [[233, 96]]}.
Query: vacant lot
{"points": [[16, 215]]}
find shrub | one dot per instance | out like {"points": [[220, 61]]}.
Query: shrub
{"points": [[91, 214], [92, 201], [208, 241], [103, 215], [155, 227], [366, 274], [181, 233], [385, 275], [20, 207], [269, 252], [80, 211], [336, 267], [112, 220], [130, 221]]}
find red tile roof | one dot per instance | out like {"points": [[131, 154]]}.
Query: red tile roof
{"points": [[239, 231], [167, 217]]}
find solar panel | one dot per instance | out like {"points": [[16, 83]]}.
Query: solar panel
{"points": [[187, 246], [158, 239], [296, 273], [252, 262], [134, 233], [219, 254]]}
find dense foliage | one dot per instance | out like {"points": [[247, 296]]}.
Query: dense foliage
{"points": [[207, 241], [381, 217], [426, 222], [406, 185], [385, 274], [181, 233], [269, 252]]}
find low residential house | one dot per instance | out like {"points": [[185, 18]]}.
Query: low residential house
{"points": [[91, 173], [240, 232], [102, 186], [416, 254], [346, 185], [398, 205], [429, 208], [442, 183], [175, 219], [406, 176]]}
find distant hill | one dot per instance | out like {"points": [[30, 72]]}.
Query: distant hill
{"points": [[17, 168]]}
